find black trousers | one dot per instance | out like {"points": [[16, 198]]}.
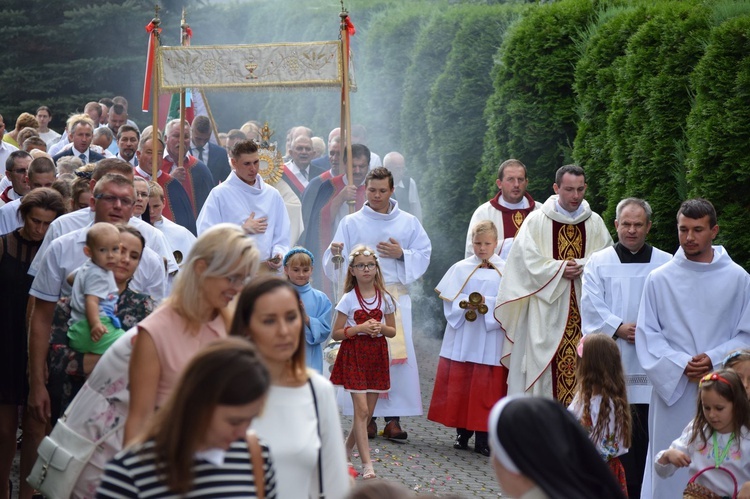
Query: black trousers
{"points": [[634, 461]]}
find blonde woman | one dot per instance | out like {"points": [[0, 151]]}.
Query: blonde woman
{"points": [[219, 264]]}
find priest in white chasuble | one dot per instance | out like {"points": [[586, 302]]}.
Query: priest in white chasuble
{"points": [[538, 301]]}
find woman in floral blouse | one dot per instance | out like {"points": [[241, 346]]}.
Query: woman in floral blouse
{"points": [[68, 369]]}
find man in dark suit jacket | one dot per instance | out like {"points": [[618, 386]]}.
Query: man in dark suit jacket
{"points": [[81, 134], [215, 157]]}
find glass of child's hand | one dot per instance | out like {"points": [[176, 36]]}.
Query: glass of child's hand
{"points": [[97, 332]]}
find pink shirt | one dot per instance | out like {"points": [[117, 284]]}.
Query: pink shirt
{"points": [[175, 346]]}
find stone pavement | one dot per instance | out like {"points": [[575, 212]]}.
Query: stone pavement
{"points": [[427, 461]]}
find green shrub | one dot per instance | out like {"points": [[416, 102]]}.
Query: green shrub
{"points": [[649, 111], [718, 132]]}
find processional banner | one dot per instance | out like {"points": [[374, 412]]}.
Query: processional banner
{"points": [[282, 65]]}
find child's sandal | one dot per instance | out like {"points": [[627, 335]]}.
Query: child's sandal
{"points": [[368, 472]]}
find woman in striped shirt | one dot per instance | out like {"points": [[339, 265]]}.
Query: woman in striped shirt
{"points": [[196, 445]]}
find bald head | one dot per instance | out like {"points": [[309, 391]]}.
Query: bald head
{"points": [[395, 162]]}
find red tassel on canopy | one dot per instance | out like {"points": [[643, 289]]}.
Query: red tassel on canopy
{"points": [[150, 53], [350, 29]]}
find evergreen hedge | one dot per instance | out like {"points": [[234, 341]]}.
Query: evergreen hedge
{"points": [[602, 46], [718, 132], [456, 129], [531, 115], [649, 111]]}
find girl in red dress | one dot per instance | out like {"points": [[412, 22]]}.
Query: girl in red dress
{"points": [[365, 317]]}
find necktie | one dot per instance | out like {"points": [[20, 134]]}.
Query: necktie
{"points": [[200, 153], [303, 171], [83, 158]]}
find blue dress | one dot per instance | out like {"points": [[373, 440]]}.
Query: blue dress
{"points": [[318, 307]]}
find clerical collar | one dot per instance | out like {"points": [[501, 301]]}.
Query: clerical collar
{"points": [[524, 203], [570, 214], [643, 255], [147, 175]]}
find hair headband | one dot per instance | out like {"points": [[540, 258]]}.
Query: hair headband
{"points": [[296, 250], [714, 377], [362, 253], [734, 355]]}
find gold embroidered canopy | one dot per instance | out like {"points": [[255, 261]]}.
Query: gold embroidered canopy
{"points": [[280, 65]]}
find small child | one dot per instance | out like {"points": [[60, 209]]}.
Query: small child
{"points": [[93, 325], [601, 402], [470, 378], [739, 362], [365, 317], [717, 437], [298, 267]]}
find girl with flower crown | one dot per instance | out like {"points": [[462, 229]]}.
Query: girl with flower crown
{"points": [[365, 317]]}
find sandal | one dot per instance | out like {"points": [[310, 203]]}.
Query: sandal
{"points": [[368, 472]]}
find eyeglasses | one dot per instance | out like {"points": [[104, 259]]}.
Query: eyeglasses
{"points": [[111, 199], [363, 266]]}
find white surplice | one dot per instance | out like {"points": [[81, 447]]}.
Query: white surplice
{"points": [[233, 201], [534, 298], [293, 209], [611, 296], [479, 341], [688, 308], [369, 227]]}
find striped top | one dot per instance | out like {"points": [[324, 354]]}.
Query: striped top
{"points": [[133, 473]]}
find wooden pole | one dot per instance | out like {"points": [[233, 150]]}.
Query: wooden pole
{"points": [[210, 116], [184, 42], [345, 111], [155, 105]]}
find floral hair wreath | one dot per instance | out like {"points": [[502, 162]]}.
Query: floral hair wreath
{"points": [[296, 250], [713, 377], [362, 253]]}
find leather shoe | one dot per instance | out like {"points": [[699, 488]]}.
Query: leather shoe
{"points": [[481, 443], [462, 439], [372, 429], [393, 430]]}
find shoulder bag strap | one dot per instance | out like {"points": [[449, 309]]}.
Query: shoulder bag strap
{"points": [[256, 458], [320, 449]]}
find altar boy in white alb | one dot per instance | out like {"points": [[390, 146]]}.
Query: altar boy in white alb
{"points": [[244, 199], [695, 309], [613, 280], [403, 254]]}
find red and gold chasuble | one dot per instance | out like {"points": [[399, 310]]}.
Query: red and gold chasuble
{"points": [[512, 217], [569, 242]]}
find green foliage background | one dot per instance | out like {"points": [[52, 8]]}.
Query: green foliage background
{"points": [[651, 97]]}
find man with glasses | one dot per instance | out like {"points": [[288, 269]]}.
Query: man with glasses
{"points": [[16, 167], [112, 202], [403, 250]]}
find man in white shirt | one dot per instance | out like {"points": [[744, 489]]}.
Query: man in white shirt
{"points": [[246, 200], [695, 309], [215, 157], [81, 135], [298, 172], [40, 173], [112, 202]]}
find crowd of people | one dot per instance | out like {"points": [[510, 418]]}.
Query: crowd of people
{"points": [[176, 320]]}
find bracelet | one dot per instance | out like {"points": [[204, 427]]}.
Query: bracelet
{"points": [[347, 328]]}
